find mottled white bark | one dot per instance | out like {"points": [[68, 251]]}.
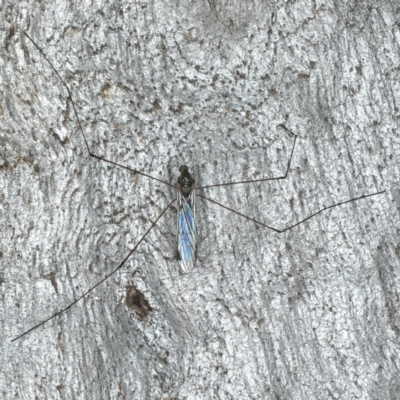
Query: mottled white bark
{"points": [[312, 313]]}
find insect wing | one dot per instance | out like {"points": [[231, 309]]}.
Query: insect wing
{"points": [[186, 232]]}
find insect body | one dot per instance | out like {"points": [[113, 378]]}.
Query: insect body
{"points": [[187, 244]]}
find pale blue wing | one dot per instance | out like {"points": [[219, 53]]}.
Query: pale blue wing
{"points": [[186, 233]]}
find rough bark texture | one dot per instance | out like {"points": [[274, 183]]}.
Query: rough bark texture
{"points": [[312, 313]]}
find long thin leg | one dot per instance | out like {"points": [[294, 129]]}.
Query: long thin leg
{"points": [[98, 283], [262, 179], [80, 125], [297, 223]]}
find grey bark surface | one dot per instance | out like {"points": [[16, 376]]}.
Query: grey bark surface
{"points": [[313, 313]]}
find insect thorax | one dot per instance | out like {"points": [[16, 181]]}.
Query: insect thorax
{"points": [[185, 181]]}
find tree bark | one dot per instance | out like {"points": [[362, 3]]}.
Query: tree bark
{"points": [[311, 313]]}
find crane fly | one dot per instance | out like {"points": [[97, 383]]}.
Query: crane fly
{"points": [[186, 247], [186, 227]]}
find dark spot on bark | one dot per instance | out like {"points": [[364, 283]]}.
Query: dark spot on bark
{"points": [[4, 164], [53, 281], [9, 37], [106, 91], [137, 302]]}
